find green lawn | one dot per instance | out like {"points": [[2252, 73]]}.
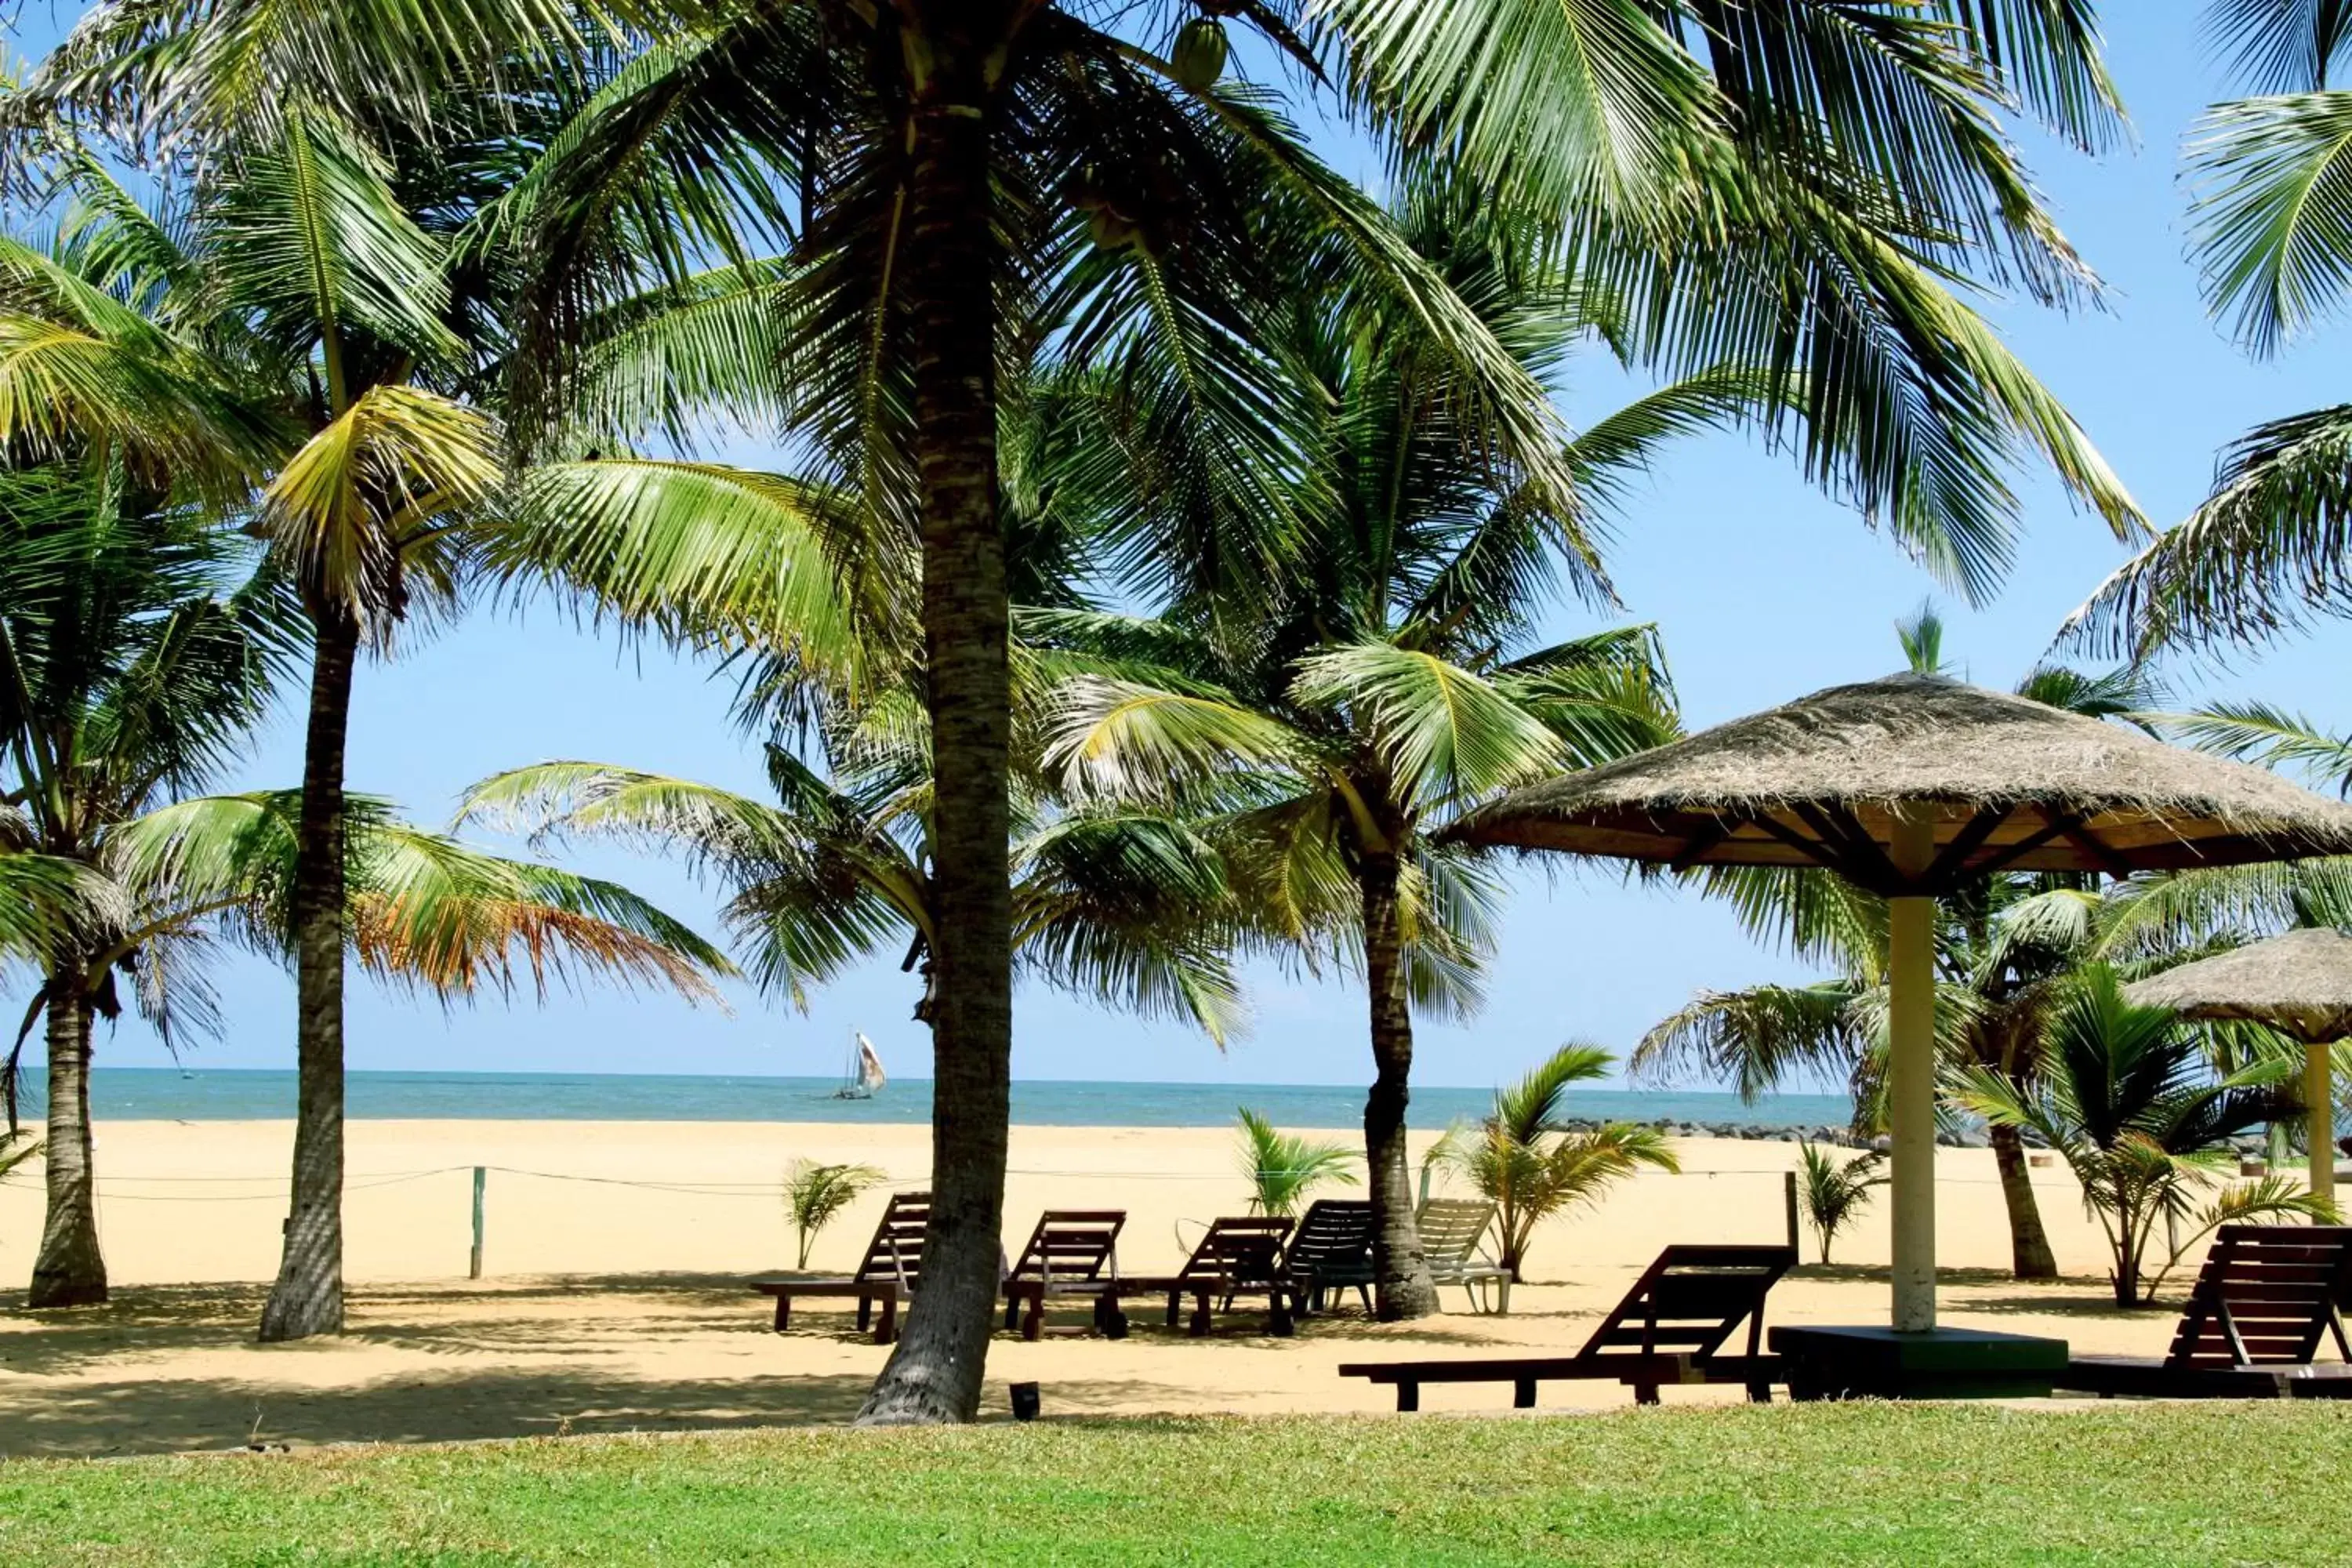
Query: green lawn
{"points": [[1854, 1483]]}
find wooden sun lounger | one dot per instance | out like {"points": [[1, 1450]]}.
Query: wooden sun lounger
{"points": [[2265, 1298], [1669, 1328], [1330, 1250], [1241, 1255], [1450, 1229], [1073, 1252], [893, 1263]]}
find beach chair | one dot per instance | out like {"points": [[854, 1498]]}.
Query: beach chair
{"points": [[893, 1263], [1330, 1250], [2266, 1299], [1450, 1229], [1670, 1329], [1073, 1252], [1238, 1255]]}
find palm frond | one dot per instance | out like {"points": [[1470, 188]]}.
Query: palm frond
{"points": [[2263, 552], [426, 911], [312, 237], [705, 553], [2282, 45], [1282, 1167], [1560, 103], [1119, 737], [1759, 1037], [1444, 732], [352, 509], [2271, 212], [2268, 737]]}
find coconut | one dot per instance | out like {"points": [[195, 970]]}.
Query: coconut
{"points": [[1200, 56]]}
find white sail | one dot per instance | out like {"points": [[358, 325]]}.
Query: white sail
{"points": [[870, 1075]]}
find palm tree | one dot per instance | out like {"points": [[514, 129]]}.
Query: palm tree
{"points": [[1533, 1165], [815, 1194], [1352, 757], [1398, 682], [1833, 1190], [424, 912], [1283, 1167], [980, 179], [2127, 1098], [300, 332], [137, 648]]}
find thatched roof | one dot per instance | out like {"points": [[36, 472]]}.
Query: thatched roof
{"points": [[2013, 784], [2300, 983]]}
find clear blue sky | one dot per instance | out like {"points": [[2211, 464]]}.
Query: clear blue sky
{"points": [[1764, 591]]}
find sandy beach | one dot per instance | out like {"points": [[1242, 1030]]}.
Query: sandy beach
{"points": [[615, 1252]]}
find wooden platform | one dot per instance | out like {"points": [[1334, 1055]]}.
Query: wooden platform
{"points": [[1836, 1361]]}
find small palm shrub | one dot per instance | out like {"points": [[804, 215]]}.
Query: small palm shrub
{"points": [[1833, 1192], [815, 1194], [1282, 1167], [1532, 1167], [2129, 1101]]}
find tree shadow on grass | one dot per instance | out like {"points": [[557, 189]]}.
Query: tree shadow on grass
{"points": [[149, 1415]]}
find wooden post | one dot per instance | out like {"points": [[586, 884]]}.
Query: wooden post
{"points": [[1788, 1201], [2319, 1118], [474, 1267], [1911, 1076]]}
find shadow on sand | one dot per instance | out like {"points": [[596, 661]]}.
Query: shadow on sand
{"points": [[176, 1368]]}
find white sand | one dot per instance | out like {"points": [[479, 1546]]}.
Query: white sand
{"points": [[614, 1252]]}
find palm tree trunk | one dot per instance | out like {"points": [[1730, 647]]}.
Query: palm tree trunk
{"points": [[308, 1298], [934, 1371], [2029, 1244], [2126, 1275], [69, 1270], [1402, 1286]]}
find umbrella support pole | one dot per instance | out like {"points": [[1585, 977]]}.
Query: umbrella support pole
{"points": [[2319, 1125], [1911, 1079]]}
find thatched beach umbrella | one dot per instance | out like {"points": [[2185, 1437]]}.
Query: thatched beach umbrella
{"points": [[2301, 985], [1911, 787]]}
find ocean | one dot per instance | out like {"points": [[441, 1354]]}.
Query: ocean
{"points": [[165, 1094]]}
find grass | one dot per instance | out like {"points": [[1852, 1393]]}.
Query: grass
{"points": [[1854, 1483]]}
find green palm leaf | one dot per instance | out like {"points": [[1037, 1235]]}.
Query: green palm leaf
{"points": [[2262, 552], [2270, 211], [312, 233], [2282, 46], [426, 911], [353, 510], [1444, 733], [1564, 101], [702, 551]]}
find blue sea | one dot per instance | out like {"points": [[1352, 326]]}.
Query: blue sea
{"points": [[159, 1094]]}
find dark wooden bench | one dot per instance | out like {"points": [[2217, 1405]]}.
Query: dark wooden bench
{"points": [[1073, 1252], [892, 1266], [1330, 1251], [2266, 1299], [1241, 1255], [1669, 1328], [1644, 1374]]}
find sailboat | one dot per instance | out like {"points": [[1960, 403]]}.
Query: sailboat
{"points": [[864, 1076]]}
